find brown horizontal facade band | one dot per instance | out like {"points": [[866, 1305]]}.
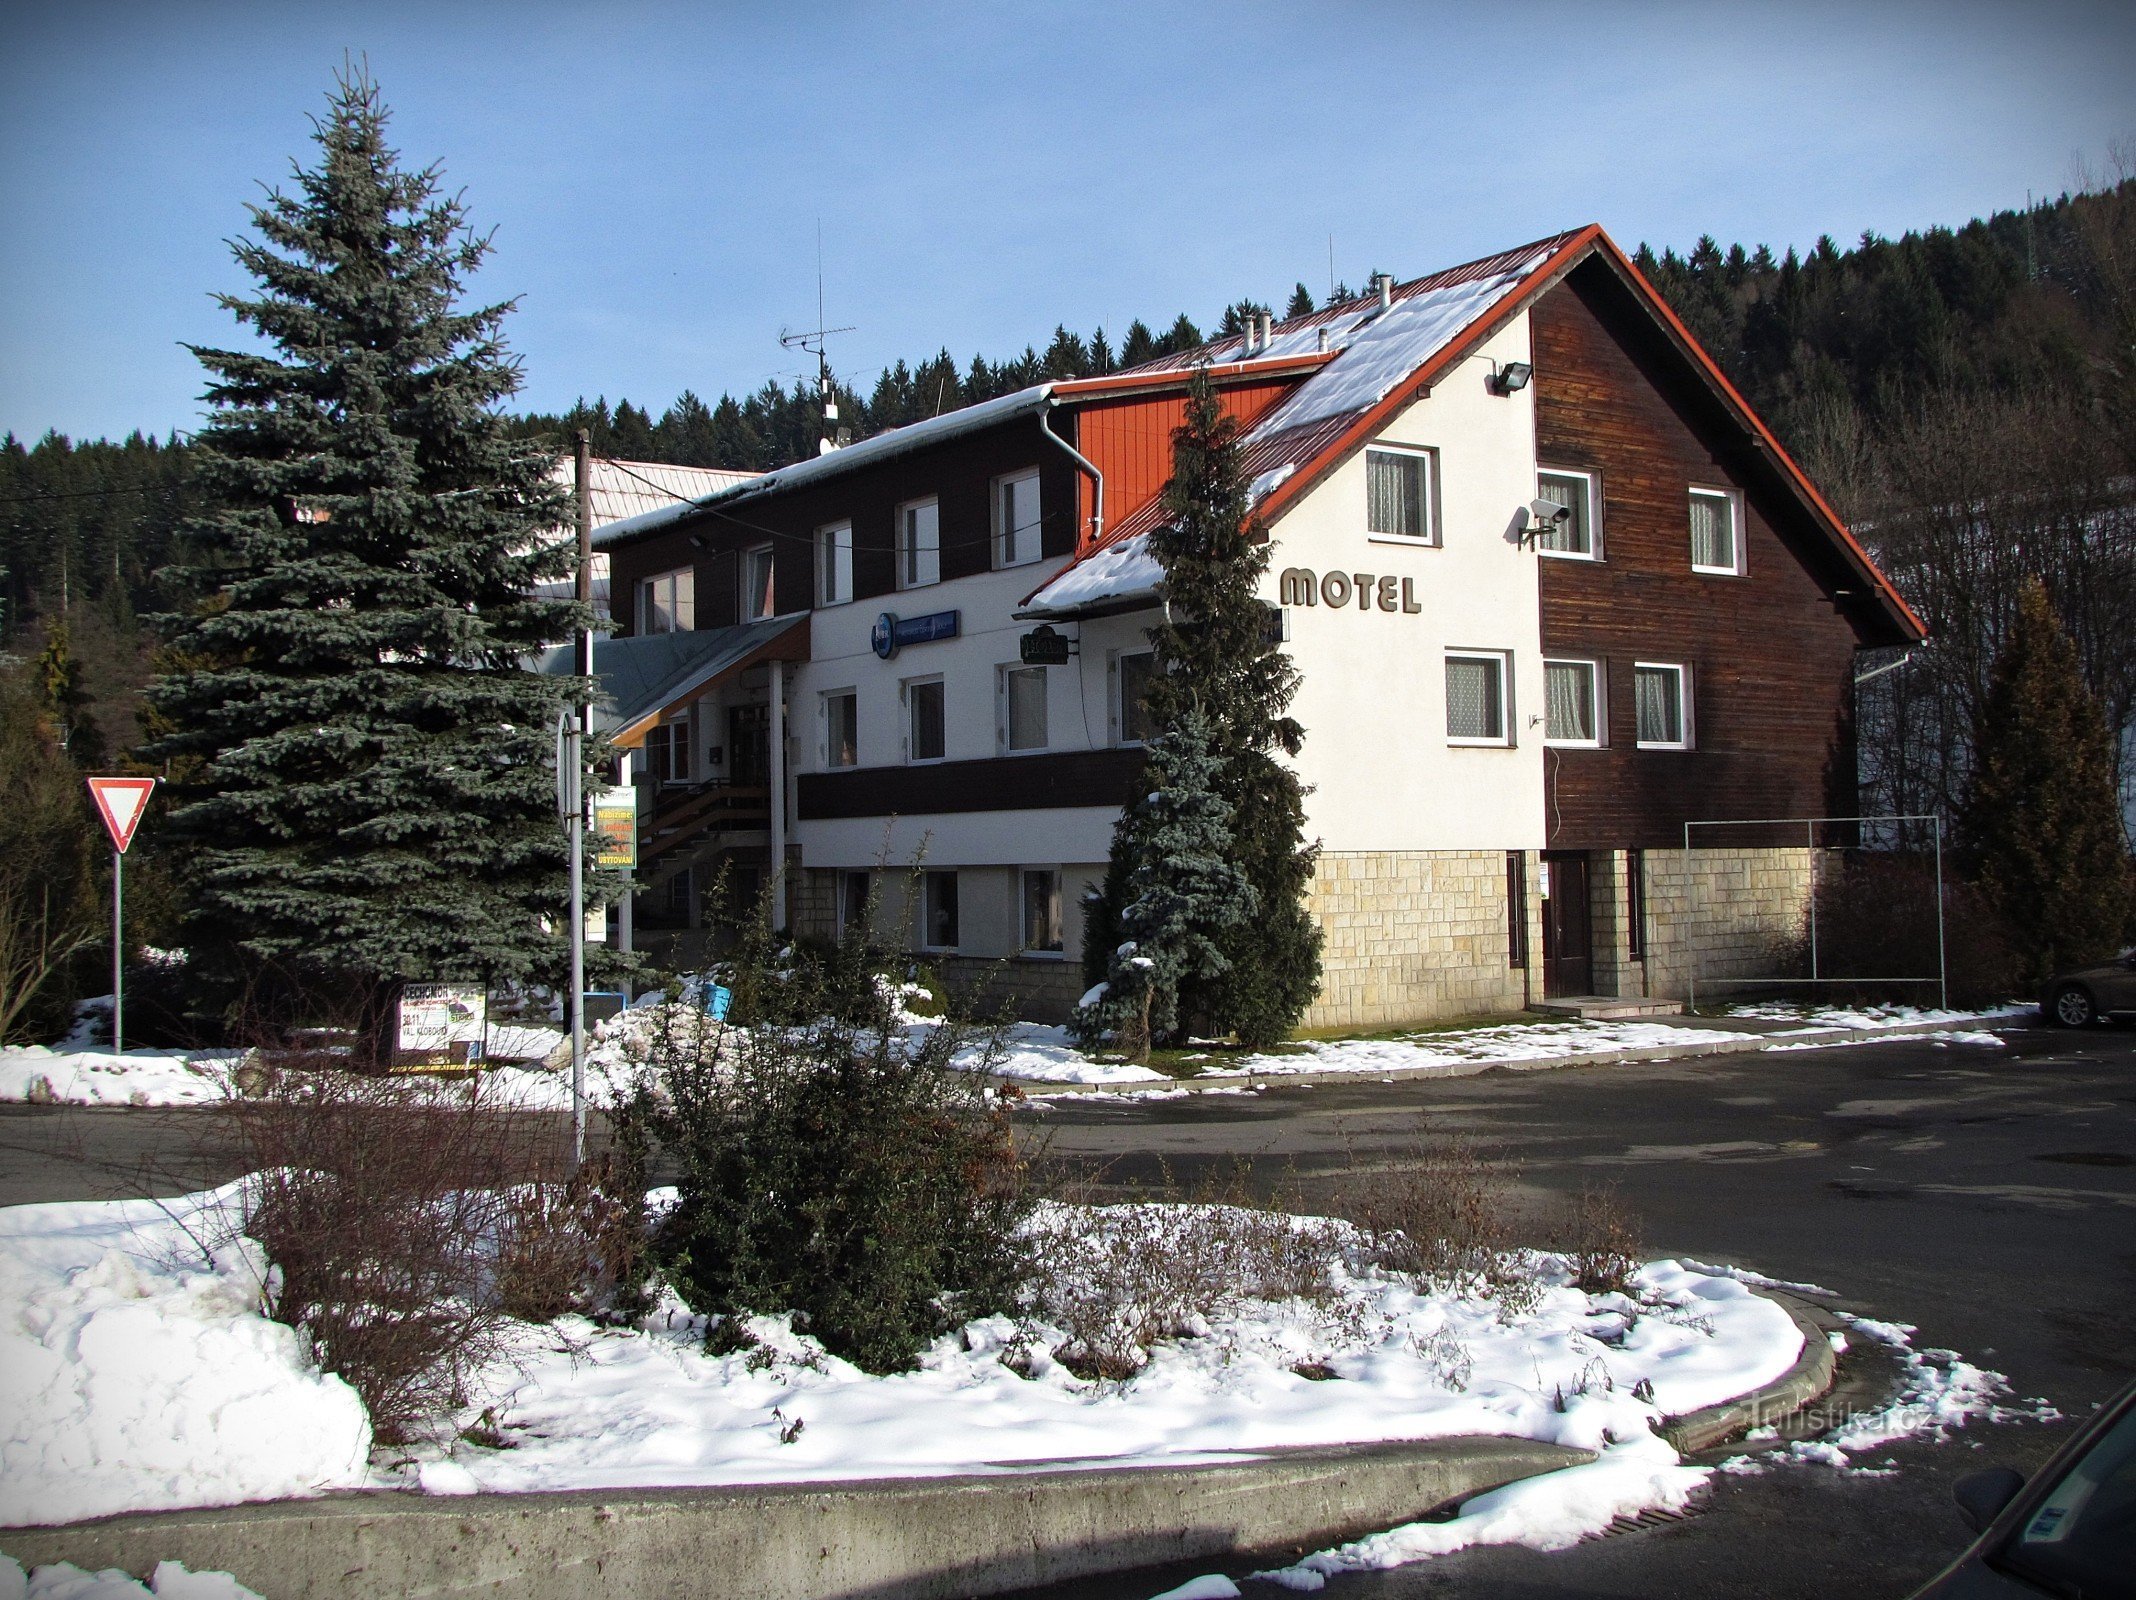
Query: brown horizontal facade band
{"points": [[1049, 782]]}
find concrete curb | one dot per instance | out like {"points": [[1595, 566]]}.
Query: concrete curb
{"points": [[1808, 1379], [1035, 1089], [900, 1539]]}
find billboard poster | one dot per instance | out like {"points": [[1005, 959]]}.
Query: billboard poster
{"points": [[615, 828], [441, 1025]]}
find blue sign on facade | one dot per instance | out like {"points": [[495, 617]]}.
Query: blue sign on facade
{"points": [[892, 633]]}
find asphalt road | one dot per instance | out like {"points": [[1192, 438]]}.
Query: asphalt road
{"points": [[1985, 1194]]}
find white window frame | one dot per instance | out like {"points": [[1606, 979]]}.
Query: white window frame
{"points": [[1597, 705], [1115, 682], [747, 590], [678, 735], [928, 879], [850, 913], [904, 542], [1429, 538], [834, 564], [831, 763], [1503, 661], [1682, 669], [1005, 556], [1024, 945], [1002, 710], [905, 699], [1590, 513], [1733, 499], [681, 585]]}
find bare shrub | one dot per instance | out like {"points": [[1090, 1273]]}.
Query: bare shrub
{"points": [[1600, 1241], [406, 1220], [1876, 918], [1121, 1279], [1436, 1212]]}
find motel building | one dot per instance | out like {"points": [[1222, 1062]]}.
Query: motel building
{"points": [[1553, 590]]}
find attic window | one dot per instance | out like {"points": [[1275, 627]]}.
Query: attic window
{"points": [[1398, 496], [1716, 531]]}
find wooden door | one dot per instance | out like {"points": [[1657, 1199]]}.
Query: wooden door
{"points": [[1568, 944], [749, 746]]}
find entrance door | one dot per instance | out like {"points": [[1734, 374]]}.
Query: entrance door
{"points": [[1568, 945], [749, 746]]}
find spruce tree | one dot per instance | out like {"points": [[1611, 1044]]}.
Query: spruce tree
{"points": [[2041, 828], [1180, 893], [370, 797], [1217, 660]]}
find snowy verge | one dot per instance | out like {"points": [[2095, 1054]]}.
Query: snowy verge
{"points": [[1513, 1041], [65, 1581], [1809, 1017], [138, 1371]]}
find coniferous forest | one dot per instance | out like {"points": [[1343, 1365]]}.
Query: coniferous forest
{"points": [[1965, 396]]}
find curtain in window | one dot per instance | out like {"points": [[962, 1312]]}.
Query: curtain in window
{"points": [[1027, 708], [1658, 693], [1568, 692], [1394, 493], [1712, 536], [1565, 492], [1042, 910], [1472, 700]]}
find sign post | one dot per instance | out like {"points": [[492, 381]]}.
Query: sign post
{"points": [[121, 803]]}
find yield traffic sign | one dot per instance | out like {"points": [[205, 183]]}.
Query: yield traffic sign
{"points": [[121, 802]]}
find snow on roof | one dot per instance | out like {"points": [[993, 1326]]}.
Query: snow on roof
{"points": [[621, 490], [878, 447], [1376, 351]]}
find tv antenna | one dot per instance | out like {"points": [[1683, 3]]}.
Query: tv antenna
{"points": [[815, 342]]}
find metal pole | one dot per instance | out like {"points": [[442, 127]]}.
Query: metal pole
{"points": [[1943, 979], [118, 952], [581, 727], [1809, 836]]}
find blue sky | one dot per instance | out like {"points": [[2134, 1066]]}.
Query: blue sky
{"points": [[656, 175]]}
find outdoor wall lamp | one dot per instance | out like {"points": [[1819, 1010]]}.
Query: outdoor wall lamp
{"points": [[1510, 378]]}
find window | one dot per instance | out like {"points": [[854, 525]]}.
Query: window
{"points": [[1571, 704], [1023, 708], [1131, 683], [1716, 542], [841, 728], [919, 544], [834, 564], [1398, 495], [1016, 519], [938, 911], [1635, 905], [756, 583], [668, 603], [1516, 909], [1663, 707], [667, 751], [1476, 699], [1577, 534], [1042, 911], [853, 900], [925, 729]]}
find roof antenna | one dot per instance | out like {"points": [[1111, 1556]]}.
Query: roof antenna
{"points": [[814, 342]]}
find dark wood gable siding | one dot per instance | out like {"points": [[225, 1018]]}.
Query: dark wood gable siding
{"points": [[1771, 657], [959, 472]]}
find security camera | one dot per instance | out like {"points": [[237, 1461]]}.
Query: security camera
{"points": [[1549, 513]]}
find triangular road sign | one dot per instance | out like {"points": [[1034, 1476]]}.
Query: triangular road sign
{"points": [[121, 802]]}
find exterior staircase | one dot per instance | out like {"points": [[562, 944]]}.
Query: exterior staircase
{"points": [[687, 824]]}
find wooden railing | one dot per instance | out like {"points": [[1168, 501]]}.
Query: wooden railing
{"points": [[682, 816]]}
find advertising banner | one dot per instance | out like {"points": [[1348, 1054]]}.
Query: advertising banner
{"points": [[440, 1025]]}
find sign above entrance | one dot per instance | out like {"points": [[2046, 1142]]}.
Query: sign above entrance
{"points": [[892, 633], [120, 802]]}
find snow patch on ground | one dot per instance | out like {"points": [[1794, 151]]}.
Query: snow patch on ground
{"points": [[86, 1074], [138, 1371], [1871, 1015], [66, 1581], [1516, 1041]]}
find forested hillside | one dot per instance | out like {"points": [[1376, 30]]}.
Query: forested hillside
{"points": [[1967, 395]]}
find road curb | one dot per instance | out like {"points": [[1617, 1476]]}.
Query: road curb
{"points": [[1810, 1378], [1040, 1089], [899, 1539]]}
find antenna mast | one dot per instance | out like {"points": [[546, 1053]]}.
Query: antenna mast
{"points": [[814, 342]]}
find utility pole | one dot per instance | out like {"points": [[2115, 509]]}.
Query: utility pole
{"points": [[576, 822]]}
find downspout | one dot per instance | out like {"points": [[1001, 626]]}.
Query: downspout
{"points": [[778, 795], [1083, 464]]}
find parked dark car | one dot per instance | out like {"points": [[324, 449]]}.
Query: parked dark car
{"points": [[2080, 998], [2069, 1531]]}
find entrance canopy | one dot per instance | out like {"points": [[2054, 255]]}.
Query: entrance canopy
{"points": [[645, 676]]}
